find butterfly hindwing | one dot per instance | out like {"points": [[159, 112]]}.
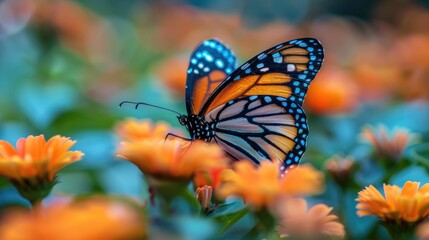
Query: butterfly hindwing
{"points": [[210, 63], [285, 70], [261, 128]]}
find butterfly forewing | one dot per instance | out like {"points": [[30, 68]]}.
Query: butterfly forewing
{"points": [[261, 128], [285, 70], [210, 63]]}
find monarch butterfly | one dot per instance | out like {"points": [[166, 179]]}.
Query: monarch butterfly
{"points": [[255, 111]]}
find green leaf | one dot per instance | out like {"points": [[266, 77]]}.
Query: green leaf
{"points": [[85, 118], [191, 200], [419, 154], [228, 220]]}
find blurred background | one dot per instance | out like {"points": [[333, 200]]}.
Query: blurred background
{"points": [[66, 65]]}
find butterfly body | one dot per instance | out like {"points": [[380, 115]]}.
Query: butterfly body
{"points": [[255, 111], [198, 127]]}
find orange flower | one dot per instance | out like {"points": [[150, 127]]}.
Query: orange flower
{"points": [[297, 222], [340, 169], [32, 166], [210, 177], [391, 146], [86, 220], [410, 204], [173, 159], [332, 92], [172, 72], [262, 186], [378, 78], [133, 130], [34, 157]]}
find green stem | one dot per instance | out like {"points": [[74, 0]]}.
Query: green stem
{"points": [[35, 204], [400, 230], [342, 205], [167, 190], [264, 227]]}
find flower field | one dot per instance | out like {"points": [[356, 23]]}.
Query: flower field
{"points": [[82, 158]]}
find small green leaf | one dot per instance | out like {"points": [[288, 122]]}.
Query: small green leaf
{"points": [[226, 208], [191, 200], [228, 220]]}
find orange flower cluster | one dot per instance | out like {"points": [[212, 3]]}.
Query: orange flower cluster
{"points": [[178, 28], [299, 223], [359, 69], [91, 219], [36, 158], [262, 187], [409, 204]]}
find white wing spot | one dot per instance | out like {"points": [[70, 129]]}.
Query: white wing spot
{"points": [[291, 67]]}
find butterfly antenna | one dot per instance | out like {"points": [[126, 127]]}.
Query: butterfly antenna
{"points": [[137, 104]]}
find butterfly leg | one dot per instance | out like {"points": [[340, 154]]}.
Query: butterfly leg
{"points": [[176, 136], [180, 137]]}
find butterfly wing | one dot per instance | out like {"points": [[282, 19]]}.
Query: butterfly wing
{"points": [[285, 70], [261, 128], [211, 62]]}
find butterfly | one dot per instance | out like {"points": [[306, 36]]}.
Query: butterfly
{"points": [[254, 111]]}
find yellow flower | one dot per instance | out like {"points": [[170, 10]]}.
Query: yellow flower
{"points": [[388, 146], [32, 166], [133, 130], [90, 219], [173, 159], [315, 223], [262, 186], [410, 204]]}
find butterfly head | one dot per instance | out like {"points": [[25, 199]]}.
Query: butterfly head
{"points": [[198, 128], [183, 120]]}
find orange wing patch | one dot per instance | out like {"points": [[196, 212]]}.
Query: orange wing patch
{"points": [[204, 87], [296, 59], [294, 51], [294, 55], [267, 84]]}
